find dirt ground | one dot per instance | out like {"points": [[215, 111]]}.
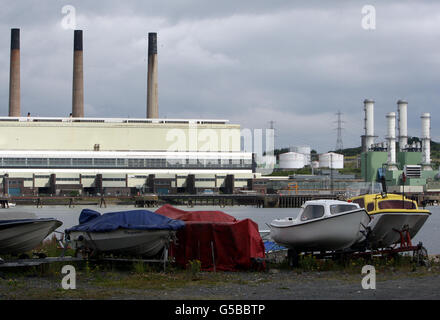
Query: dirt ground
{"points": [[274, 284]]}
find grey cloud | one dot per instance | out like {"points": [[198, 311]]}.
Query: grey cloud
{"points": [[293, 62]]}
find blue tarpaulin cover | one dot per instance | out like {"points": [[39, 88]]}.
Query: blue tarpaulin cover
{"points": [[272, 246], [93, 221]]}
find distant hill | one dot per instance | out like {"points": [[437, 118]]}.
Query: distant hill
{"points": [[277, 152], [350, 152], [435, 149]]}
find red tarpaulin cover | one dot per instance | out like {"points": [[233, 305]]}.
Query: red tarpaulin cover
{"points": [[237, 244]]}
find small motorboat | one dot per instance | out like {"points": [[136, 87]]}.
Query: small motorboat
{"points": [[22, 235], [133, 232], [322, 225], [393, 216]]}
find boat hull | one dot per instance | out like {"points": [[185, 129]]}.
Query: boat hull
{"points": [[384, 227], [330, 233], [17, 237], [123, 241]]}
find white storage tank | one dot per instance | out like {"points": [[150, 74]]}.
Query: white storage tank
{"points": [[331, 160], [292, 160], [305, 150], [266, 161]]}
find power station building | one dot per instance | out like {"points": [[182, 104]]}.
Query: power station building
{"points": [[48, 155], [406, 169]]}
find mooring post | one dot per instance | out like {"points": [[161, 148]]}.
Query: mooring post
{"points": [[39, 203], [102, 203]]}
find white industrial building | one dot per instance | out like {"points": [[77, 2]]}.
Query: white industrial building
{"points": [[120, 155]]}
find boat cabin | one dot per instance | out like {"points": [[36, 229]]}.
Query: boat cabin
{"points": [[377, 202], [320, 208]]}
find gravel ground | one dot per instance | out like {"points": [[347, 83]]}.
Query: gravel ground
{"points": [[273, 285]]}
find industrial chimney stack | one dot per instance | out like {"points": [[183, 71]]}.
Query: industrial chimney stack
{"points": [[402, 109], [14, 75], [391, 137], [78, 79], [426, 141], [152, 103], [368, 138]]}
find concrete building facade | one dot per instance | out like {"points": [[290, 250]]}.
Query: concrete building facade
{"points": [[120, 156]]}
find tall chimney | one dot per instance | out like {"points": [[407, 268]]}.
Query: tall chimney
{"points": [[14, 75], [368, 138], [152, 104], [78, 79], [391, 137], [426, 141], [402, 109]]}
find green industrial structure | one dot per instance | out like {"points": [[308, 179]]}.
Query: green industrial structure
{"points": [[375, 163], [404, 165]]}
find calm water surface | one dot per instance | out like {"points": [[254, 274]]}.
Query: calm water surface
{"points": [[429, 234]]}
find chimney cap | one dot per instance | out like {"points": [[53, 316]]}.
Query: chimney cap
{"points": [[402, 102], [78, 40], [368, 101], [152, 43], [15, 38]]}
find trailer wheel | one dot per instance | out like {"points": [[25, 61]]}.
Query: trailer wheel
{"points": [[292, 258], [420, 256], [23, 256], [77, 254]]}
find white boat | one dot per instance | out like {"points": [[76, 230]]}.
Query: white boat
{"points": [[133, 232], [393, 216], [322, 225], [21, 235], [123, 241]]}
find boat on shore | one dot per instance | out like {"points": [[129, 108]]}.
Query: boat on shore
{"points": [[393, 216], [322, 225], [22, 235], [133, 232]]}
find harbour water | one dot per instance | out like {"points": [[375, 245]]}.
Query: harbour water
{"points": [[429, 235]]}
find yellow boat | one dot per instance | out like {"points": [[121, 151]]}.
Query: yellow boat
{"points": [[393, 216]]}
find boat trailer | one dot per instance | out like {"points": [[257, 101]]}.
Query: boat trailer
{"points": [[419, 252], [39, 259]]}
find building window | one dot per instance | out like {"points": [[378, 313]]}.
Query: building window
{"points": [[136, 163], [82, 162], [99, 162], [37, 162], [60, 162]]}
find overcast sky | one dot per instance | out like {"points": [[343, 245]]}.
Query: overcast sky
{"points": [[294, 62]]}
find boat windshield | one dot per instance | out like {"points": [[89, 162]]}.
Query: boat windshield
{"points": [[396, 204], [312, 212], [360, 202], [339, 208]]}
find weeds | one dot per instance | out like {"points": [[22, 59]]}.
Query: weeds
{"points": [[141, 267], [194, 267]]}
